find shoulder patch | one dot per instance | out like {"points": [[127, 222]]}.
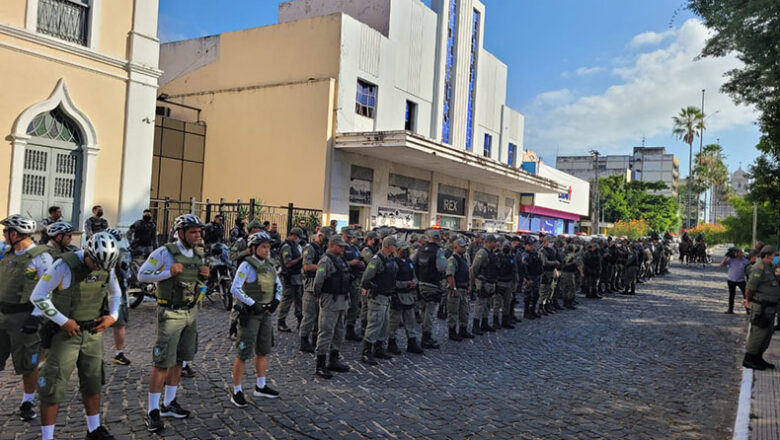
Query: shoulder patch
{"points": [[241, 275], [153, 261], [46, 278]]}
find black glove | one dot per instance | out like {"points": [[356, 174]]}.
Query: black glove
{"points": [[31, 325], [271, 307], [257, 308]]}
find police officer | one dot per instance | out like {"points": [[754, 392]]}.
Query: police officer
{"points": [[331, 286], [367, 252], [55, 215], [96, 223], [258, 290], [240, 249], [568, 272], [484, 274], [179, 270], [312, 254], [476, 244], [238, 231], [60, 235], [631, 268], [457, 273], [23, 263], [120, 325], [762, 297], [378, 284], [292, 282], [592, 263], [506, 282], [142, 235], [356, 266], [402, 304], [548, 257], [430, 264], [214, 231], [532, 275], [71, 296]]}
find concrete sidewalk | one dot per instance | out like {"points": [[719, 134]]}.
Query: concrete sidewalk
{"points": [[764, 406]]}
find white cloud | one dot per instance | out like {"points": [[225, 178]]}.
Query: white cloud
{"points": [[649, 92], [650, 38], [583, 71]]}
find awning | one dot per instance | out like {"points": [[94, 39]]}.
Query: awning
{"points": [[418, 151]]}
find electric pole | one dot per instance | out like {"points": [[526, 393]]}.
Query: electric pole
{"points": [[594, 220]]}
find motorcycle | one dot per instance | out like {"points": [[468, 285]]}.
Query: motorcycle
{"points": [[137, 290], [221, 273]]}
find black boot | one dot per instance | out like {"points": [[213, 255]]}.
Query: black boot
{"points": [[496, 322], [485, 327], [464, 333], [442, 313], [392, 347], [413, 347], [752, 361], [429, 342], [454, 336], [335, 364], [557, 305], [549, 309], [368, 354], [570, 305], [507, 322], [351, 335], [306, 346], [760, 360], [322, 369], [527, 312], [475, 328], [379, 351], [633, 289], [541, 311]]}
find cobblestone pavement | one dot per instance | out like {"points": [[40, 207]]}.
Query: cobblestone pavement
{"points": [[661, 365]]}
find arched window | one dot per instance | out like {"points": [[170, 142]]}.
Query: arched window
{"points": [[52, 166]]}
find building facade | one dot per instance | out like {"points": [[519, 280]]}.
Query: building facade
{"points": [[554, 213], [582, 167], [79, 82], [374, 111], [720, 207]]}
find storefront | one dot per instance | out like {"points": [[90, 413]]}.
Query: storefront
{"points": [[556, 213]]}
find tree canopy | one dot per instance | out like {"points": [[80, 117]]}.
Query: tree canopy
{"points": [[636, 201]]}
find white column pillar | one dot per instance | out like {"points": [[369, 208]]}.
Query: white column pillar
{"points": [[139, 112]]}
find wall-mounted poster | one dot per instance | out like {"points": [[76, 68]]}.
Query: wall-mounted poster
{"points": [[396, 217], [408, 192], [509, 210], [360, 185], [485, 206]]}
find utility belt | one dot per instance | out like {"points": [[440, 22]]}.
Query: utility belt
{"points": [[760, 319], [88, 326], [10, 308], [169, 306]]}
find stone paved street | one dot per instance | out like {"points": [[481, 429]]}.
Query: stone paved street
{"points": [[661, 365]]}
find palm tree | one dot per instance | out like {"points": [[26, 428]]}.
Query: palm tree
{"points": [[688, 124]]}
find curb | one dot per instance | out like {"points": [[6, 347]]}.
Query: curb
{"points": [[742, 424]]}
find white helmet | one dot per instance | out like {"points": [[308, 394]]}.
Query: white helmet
{"points": [[58, 228], [258, 238], [23, 225], [116, 233], [186, 221], [103, 250]]}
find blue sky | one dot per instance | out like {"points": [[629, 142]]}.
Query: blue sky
{"points": [[586, 74]]}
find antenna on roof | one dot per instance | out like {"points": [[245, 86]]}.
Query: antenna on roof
{"points": [[643, 141]]}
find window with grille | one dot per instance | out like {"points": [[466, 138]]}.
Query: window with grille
{"points": [[366, 99], [64, 19]]}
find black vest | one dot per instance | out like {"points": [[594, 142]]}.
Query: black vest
{"points": [[532, 263], [405, 273], [426, 264], [337, 283], [294, 254], [385, 280], [351, 252], [489, 269], [552, 256], [313, 247], [462, 274], [506, 267]]}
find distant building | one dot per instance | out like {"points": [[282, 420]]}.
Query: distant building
{"points": [[720, 207], [647, 164]]}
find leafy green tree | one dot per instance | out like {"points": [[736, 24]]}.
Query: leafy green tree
{"points": [[636, 201], [739, 227], [765, 185]]}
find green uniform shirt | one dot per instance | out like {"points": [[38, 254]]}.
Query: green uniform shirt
{"points": [[763, 282]]}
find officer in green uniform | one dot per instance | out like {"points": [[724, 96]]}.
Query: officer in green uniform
{"points": [[367, 252], [484, 274], [630, 269], [569, 272], [457, 274], [378, 284], [240, 249], [331, 286], [180, 271], [312, 254], [762, 296], [356, 267], [506, 282], [60, 234], [258, 292], [22, 265], [403, 303], [71, 295], [292, 280], [430, 264], [548, 256]]}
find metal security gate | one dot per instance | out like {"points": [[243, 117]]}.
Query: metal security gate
{"points": [[52, 168]]}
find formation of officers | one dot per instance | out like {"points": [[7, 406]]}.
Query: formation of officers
{"points": [[331, 281]]}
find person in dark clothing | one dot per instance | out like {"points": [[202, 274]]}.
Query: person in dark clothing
{"points": [[142, 235], [96, 223], [238, 231], [214, 232]]}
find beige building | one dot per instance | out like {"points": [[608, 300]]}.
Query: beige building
{"points": [[374, 111], [79, 80]]}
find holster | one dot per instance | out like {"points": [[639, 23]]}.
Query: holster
{"points": [[760, 319], [47, 333], [243, 314]]}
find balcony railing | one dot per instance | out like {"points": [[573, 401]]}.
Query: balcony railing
{"points": [[64, 19]]}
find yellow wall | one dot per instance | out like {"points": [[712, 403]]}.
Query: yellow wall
{"points": [[274, 54], [13, 12], [28, 80], [268, 143], [116, 20]]}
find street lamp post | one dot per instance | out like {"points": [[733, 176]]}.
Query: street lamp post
{"points": [[596, 195]]}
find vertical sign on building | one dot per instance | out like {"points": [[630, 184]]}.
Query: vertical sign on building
{"points": [[472, 78], [448, 77]]}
